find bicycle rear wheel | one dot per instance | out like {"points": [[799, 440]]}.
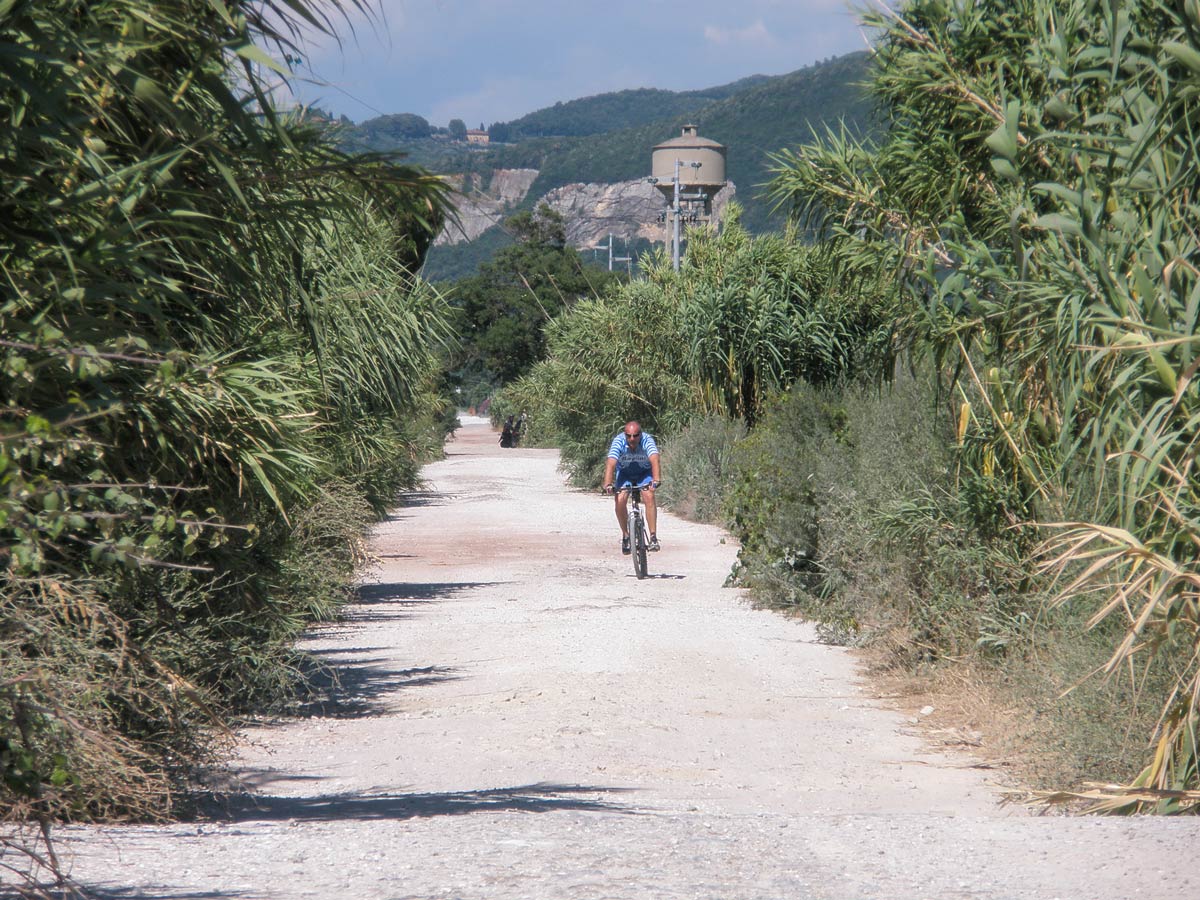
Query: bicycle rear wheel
{"points": [[639, 548]]}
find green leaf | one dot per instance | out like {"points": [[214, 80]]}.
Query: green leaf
{"points": [[1184, 54], [252, 53], [1061, 223], [1002, 142], [37, 425], [1006, 170], [1059, 110]]}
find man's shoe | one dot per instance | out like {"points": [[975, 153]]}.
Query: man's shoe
{"points": [[653, 545], [625, 546]]}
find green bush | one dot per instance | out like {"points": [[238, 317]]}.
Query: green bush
{"points": [[757, 314], [847, 506], [744, 317], [697, 467], [853, 510]]}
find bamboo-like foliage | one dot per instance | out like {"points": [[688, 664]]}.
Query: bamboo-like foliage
{"points": [[758, 314], [1038, 189], [207, 330], [609, 359], [743, 318]]}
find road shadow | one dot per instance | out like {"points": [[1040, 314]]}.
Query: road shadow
{"points": [[395, 601], [415, 500], [355, 682], [220, 782], [412, 499], [88, 892], [411, 593], [355, 687], [532, 798]]}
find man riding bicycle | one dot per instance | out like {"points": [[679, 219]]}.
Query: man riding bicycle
{"points": [[633, 462]]}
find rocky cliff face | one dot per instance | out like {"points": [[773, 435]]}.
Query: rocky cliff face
{"points": [[481, 208], [628, 209]]}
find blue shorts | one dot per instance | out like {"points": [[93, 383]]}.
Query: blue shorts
{"points": [[638, 478]]}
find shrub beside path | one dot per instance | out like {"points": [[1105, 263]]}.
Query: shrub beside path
{"points": [[519, 717]]}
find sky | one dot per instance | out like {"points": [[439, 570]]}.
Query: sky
{"points": [[486, 61]]}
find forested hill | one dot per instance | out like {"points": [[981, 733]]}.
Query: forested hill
{"points": [[608, 137], [619, 109], [762, 118]]}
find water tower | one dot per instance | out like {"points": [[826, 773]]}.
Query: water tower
{"points": [[689, 170]]}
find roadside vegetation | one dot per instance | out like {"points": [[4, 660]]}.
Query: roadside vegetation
{"points": [[961, 425], [216, 369]]}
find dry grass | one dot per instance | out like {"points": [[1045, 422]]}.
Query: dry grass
{"points": [[967, 716], [1027, 718]]}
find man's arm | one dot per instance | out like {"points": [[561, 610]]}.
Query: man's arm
{"points": [[610, 469], [654, 457]]}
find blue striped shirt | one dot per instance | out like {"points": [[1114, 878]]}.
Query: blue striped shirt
{"points": [[620, 445]]}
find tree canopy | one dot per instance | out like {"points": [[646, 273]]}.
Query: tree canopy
{"points": [[504, 309]]}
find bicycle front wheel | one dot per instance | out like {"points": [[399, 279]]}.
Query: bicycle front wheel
{"points": [[639, 548]]}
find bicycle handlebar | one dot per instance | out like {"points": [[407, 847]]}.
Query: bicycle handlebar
{"points": [[612, 488]]}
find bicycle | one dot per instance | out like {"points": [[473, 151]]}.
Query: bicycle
{"points": [[639, 533]]}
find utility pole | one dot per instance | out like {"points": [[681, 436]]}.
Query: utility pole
{"points": [[675, 217], [621, 259], [676, 208]]}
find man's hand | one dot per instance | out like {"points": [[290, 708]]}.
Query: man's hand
{"points": [[608, 489]]}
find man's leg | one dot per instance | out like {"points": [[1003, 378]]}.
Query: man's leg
{"points": [[651, 509], [622, 506]]}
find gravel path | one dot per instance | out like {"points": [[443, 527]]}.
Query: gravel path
{"points": [[520, 717]]}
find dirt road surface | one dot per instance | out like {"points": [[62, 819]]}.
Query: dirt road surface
{"points": [[520, 717]]}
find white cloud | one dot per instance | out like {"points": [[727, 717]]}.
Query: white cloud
{"points": [[754, 33]]}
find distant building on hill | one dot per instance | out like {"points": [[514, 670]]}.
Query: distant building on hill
{"points": [[477, 136]]}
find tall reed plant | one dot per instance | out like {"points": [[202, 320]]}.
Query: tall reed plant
{"points": [[1035, 194], [209, 335]]}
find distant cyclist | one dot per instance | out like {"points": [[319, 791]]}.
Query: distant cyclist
{"points": [[633, 461]]}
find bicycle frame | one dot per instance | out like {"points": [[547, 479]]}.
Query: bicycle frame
{"points": [[639, 537]]}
